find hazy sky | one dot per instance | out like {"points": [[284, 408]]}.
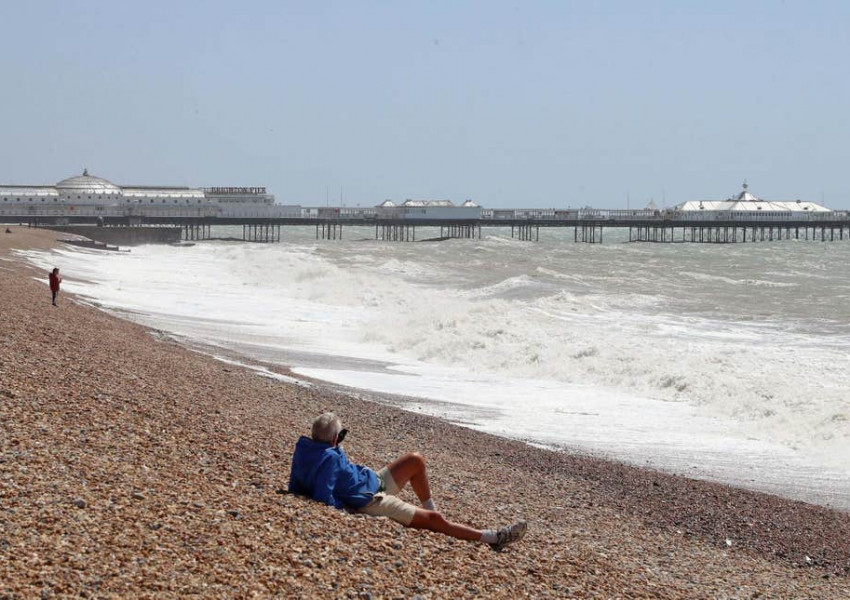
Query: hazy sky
{"points": [[511, 104]]}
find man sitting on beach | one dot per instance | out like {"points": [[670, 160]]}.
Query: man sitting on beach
{"points": [[321, 470]]}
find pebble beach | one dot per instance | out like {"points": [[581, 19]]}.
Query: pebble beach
{"points": [[131, 466]]}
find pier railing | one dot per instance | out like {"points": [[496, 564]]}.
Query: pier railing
{"points": [[369, 215], [398, 224]]}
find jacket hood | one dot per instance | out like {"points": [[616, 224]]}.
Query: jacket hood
{"points": [[310, 448]]}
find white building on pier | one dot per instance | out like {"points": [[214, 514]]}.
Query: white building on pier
{"points": [[429, 210], [746, 204]]}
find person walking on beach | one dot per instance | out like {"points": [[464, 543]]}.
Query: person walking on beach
{"points": [[321, 470], [55, 280]]}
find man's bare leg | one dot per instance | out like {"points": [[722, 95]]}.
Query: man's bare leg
{"points": [[497, 539], [411, 468], [434, 521]]}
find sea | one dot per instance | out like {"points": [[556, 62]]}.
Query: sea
{"points": [[726, 362]]}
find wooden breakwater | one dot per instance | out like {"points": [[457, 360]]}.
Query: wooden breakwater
{"points": [[123, 236]]}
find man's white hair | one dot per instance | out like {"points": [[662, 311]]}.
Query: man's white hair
{"points": [[325, 427]]}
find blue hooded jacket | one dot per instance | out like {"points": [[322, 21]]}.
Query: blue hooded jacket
{"points": [[323, 473]]}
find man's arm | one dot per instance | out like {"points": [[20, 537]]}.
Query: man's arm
{"points": [[295, 485], [326, 477]]}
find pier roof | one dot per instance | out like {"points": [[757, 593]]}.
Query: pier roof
{"points": [[410, 202], [88, 184], [747, 201]]}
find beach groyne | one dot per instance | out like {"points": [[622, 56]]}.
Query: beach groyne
{"points": [[131, 466], [123, 236]]}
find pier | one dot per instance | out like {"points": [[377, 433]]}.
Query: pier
{"points": [[190, 214], [590, 226]]}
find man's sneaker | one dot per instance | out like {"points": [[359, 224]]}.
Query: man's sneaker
{"points": [[509, 535]]}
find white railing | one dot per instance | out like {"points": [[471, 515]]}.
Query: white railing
{"points": [[657, 215], [311, 214]]}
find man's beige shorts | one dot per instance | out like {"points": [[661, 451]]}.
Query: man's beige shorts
{"points": [[387, 504]]}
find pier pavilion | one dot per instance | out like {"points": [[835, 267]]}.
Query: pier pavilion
{"points": [[746, 204], [86, 195]]}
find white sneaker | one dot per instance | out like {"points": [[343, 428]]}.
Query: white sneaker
{"points": [[509, 535]]}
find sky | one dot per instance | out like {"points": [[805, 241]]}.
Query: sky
{"points": [[513, 104]]}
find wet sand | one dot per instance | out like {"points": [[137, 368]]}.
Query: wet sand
{"points": [[131, 466]]}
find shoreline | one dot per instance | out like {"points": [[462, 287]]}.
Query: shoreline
{"points": [[728, 473], [162, 445], [748, 463]]}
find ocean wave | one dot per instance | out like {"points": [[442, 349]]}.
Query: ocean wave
{"points": [[502, 287], [433, 305]]}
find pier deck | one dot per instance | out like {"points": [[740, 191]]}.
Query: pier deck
{"points": [[680, 228]]}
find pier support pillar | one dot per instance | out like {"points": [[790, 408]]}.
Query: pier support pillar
{"points": [[396, 232], [261, 232], [525, 233]]}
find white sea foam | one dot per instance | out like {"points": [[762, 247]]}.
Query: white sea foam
{"points": [[726, 355], [731, 281]]}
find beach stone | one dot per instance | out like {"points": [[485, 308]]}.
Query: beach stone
{"points": [[79, 503]]}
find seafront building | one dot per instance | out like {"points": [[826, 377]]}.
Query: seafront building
{"points": [[87, 194]]}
